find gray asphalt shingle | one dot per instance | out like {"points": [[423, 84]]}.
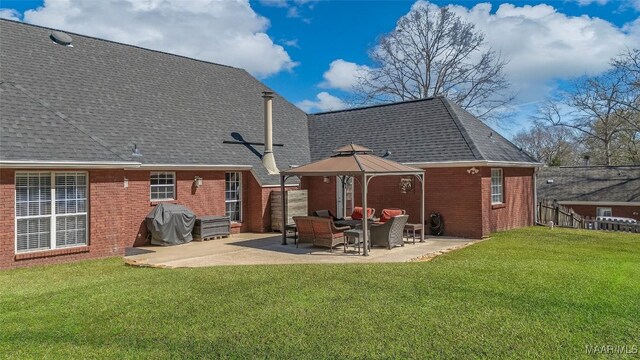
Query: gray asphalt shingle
{"points": [[427, 130], [590, 183], [177, 110]]}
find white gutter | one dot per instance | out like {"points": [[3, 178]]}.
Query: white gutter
{"points": [[442, 164], [36, 164], [192, 167], [602, 203]]}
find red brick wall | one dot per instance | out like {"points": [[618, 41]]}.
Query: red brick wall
{"points": [[450, 191], [116, 214], [460, 197], [106, 220], [517, 209], [321, 195], [617, 210]]}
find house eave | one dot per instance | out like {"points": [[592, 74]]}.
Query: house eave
{"points": [[38, 164], [465, 163], [193, 167], [600, 203]]}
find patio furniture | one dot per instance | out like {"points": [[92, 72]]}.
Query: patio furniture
{"points": [[388, 214], [209, 227], [325, 214], [319, 231], [294, 228], [353, 237], [355, 220], [389, 234], [413, 227], [358, 213]]}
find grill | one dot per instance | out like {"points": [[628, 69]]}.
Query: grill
{"points": [[208, 227]]}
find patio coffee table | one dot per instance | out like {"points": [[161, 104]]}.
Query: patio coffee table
{"points": [[414, 228], [356, 235]]}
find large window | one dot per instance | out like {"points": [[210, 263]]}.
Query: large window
{"points": [[497, 190], [42, 223], [233, 196], [163, 186], [604, 211]]}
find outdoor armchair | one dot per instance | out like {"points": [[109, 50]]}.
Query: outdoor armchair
{"points": [[390, 233], [388, 214]]}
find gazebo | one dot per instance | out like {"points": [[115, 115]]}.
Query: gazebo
{"points": [[352, 161]]}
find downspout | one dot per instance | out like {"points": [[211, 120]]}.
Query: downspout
{"points": [[535, 195], [268, 160]]}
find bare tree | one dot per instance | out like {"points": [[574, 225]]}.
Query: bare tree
{"points": [[433, 52], [627, 65], [552, 145], [593, 109]]}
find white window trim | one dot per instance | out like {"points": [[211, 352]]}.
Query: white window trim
{"points": [[604, 208], [53, 214], [239, 197], [175, 181], [501, 186]]}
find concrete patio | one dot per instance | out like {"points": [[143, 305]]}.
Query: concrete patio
{"points": [[256, 249]]}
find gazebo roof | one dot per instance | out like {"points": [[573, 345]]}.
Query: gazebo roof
{"points": [[352, 160]]}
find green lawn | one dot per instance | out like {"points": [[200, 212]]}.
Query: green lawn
{"points": [[528, 293]]}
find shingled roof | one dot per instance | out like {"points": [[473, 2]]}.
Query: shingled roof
{"points": [[590, 183], [92, 102], [429, 130]]}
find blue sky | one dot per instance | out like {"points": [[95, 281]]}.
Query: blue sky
{"points": [[290, 44]]}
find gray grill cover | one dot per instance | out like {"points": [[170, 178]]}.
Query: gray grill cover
{"points": [[170, 224]]}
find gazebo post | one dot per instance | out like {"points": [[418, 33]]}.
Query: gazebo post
{"points": [[284, 210], [365, 217], [422, 207]]}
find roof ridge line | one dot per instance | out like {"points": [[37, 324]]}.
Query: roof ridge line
{"points": [[120, 43], [374, 106], [475, 150], [66, 119]]}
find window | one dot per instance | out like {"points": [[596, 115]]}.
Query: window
{"points": [[163, 186], [42, 223], [497, 193], [233, 196], [604, 211]]}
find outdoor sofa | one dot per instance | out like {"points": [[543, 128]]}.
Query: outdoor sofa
{"points": [[319, 231]]}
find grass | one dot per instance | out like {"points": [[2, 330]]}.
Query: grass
{"points": [[531, 292]]}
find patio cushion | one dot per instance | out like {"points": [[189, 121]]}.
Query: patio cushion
{"points": [[357, 213], [388, 214]]}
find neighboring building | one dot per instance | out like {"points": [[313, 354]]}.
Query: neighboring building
{"points": [[593, 190], [93, 136]]}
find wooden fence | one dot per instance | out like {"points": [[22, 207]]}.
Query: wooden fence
{"points": [[611, 225], [560, 215]]}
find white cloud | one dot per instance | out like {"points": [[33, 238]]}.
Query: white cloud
{"points": [[589, 2], [324, 102], [343, 75], [10, 14], [543, 44], [227, 32], [291, 43], [274, 3]]}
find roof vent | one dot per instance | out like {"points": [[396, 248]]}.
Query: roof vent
{"points": [[61, 38]]}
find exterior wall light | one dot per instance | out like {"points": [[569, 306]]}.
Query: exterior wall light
{"points": [[326, 180], [197, 181], [126, 183]]}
